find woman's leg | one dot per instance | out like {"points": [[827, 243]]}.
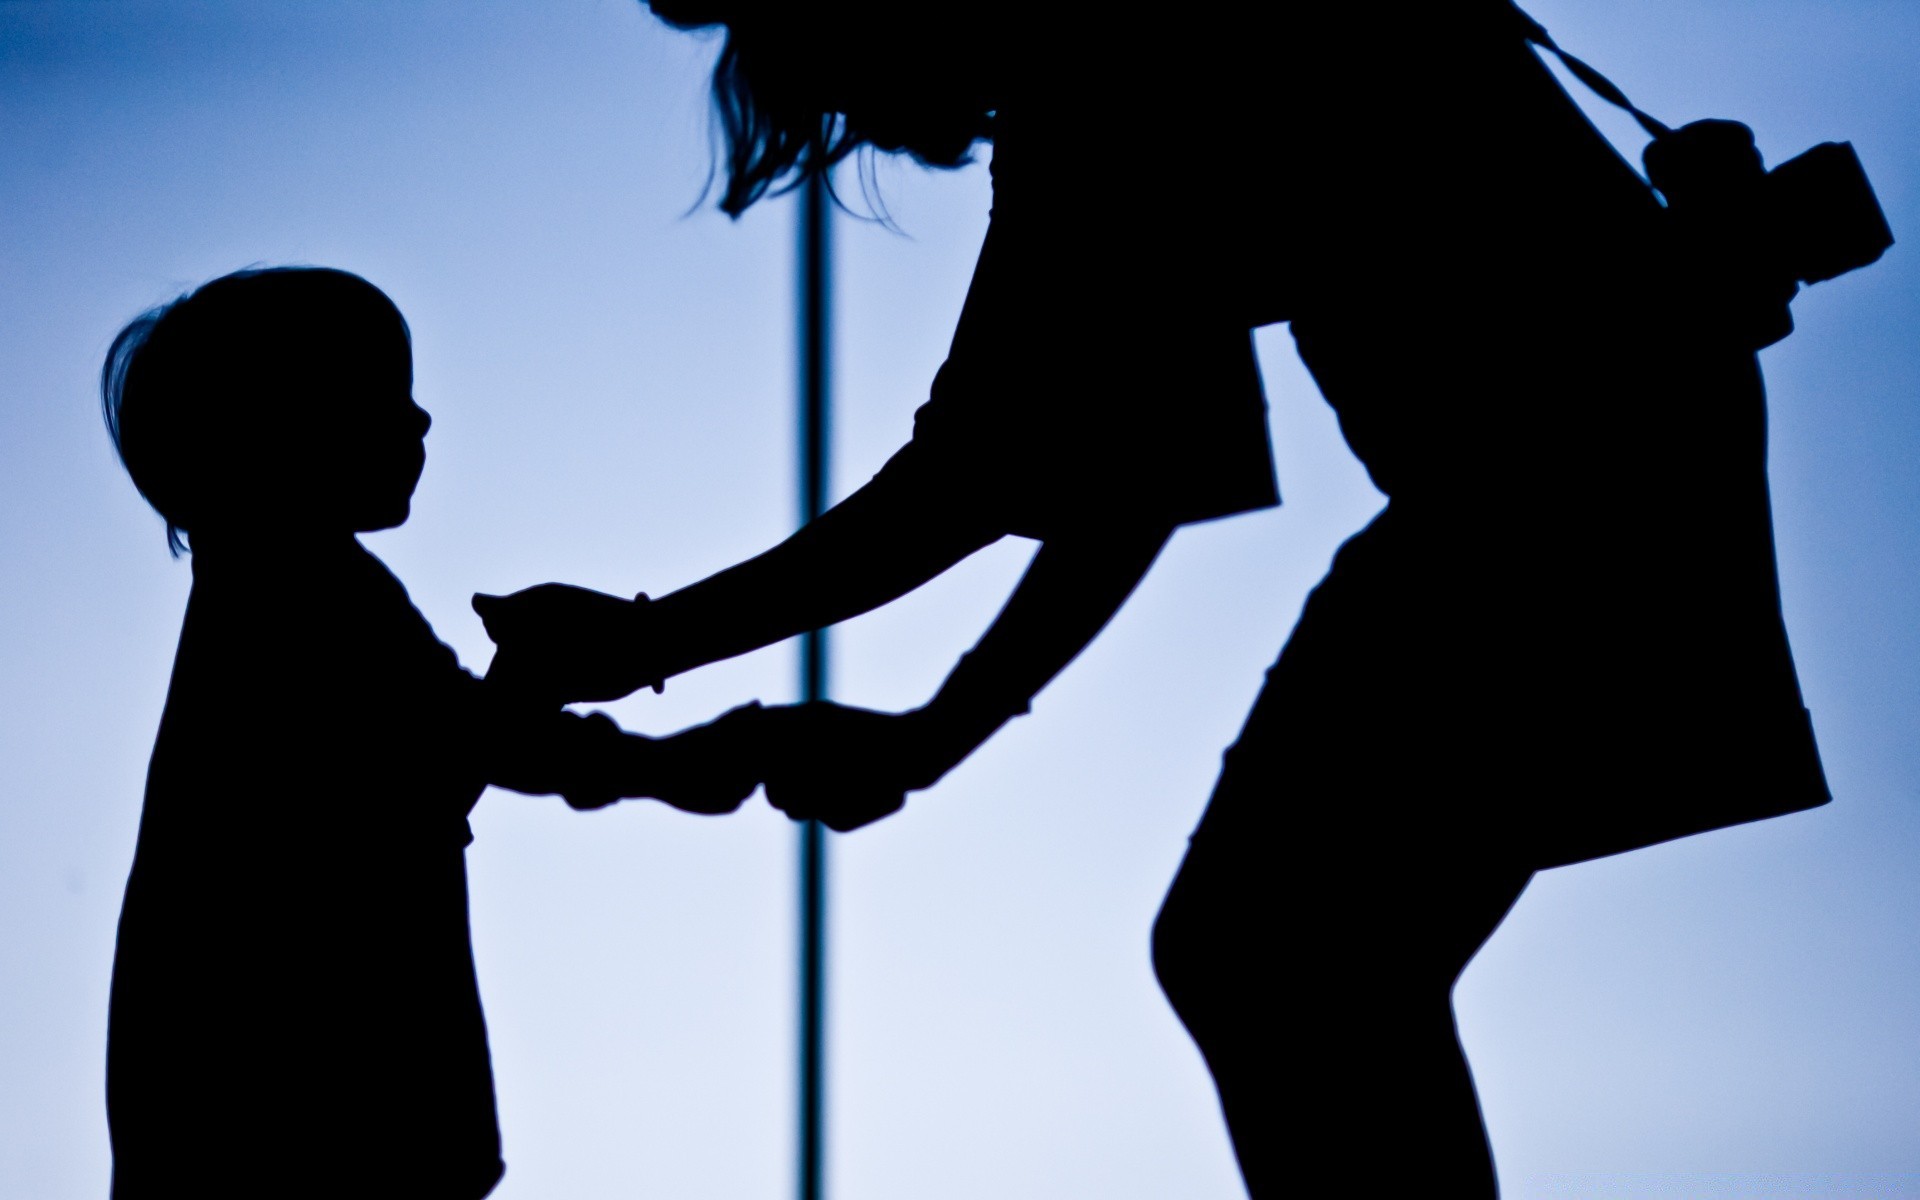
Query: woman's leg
{"points": [[1326, 1017], [1341, 881]]}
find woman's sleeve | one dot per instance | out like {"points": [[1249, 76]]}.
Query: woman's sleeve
{"points": [[1100, 372]]}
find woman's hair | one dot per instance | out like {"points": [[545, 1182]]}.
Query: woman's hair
{"points": [[776, 138], [184, 384]]}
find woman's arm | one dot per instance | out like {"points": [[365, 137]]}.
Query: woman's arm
{"points": [[1069, 592], [847, 767], [562, 644], [875, 546]]}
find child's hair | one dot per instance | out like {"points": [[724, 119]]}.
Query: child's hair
{"points": [[182, 380]]}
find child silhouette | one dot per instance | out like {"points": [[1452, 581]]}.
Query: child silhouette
{"points": [[294, 1010]]}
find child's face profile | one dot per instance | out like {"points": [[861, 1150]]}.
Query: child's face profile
{"points": [[269, 404], [364, 438]]}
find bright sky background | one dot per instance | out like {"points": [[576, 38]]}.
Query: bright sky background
{"points": [[611, 381]]}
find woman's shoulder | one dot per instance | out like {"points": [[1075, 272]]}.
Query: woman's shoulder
{"points": [[1249, 68], [1137, 106]]}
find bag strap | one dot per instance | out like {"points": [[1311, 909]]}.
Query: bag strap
{"points": [[1602, 86]]}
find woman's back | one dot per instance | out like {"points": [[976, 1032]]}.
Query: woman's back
{"points": [[1421, 154]]}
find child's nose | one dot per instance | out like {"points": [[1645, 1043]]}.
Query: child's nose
{"points": [[422, 420]]}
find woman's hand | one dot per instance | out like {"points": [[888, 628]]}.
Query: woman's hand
{"points": [[559, 644], [847, 767]]}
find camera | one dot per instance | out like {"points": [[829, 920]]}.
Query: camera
{"points": [[1759, 234]]}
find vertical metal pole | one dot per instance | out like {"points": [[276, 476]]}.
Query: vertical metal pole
{"points": [[815, 281]]}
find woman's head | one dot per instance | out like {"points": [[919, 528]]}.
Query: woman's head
{"points": [[798, 87], [272, 398]]}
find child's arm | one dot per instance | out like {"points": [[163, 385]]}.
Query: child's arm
{"points": [[709, 768], [548, 751], [592, 762]]}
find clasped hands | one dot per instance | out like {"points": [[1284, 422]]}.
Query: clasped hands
{"points": [[844, 767]]}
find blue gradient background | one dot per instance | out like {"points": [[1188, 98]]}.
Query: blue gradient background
{"points": [[1737, 1015]]}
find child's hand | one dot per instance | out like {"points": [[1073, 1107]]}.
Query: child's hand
{"points": [[708, 769], [593, 783]]}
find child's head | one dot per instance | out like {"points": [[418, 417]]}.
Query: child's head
{"points": [[272, 400]]}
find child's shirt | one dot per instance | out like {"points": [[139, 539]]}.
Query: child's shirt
{"points": [[294, 1007]]}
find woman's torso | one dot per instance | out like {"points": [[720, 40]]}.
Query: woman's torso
{"points": [[1582, 565], [1402, 184]]}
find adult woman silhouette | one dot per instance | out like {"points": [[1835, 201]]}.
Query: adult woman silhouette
{"points": [[1562, 637]]}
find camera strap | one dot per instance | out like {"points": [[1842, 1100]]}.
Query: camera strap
{"points": [[1603, 87]]}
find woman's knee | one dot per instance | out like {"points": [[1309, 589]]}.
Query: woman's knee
{"points": [[1172, 948], [1207, 954]]}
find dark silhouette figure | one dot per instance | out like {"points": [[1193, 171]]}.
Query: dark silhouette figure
{"points": [[1561, 639], [294, 1010]]}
